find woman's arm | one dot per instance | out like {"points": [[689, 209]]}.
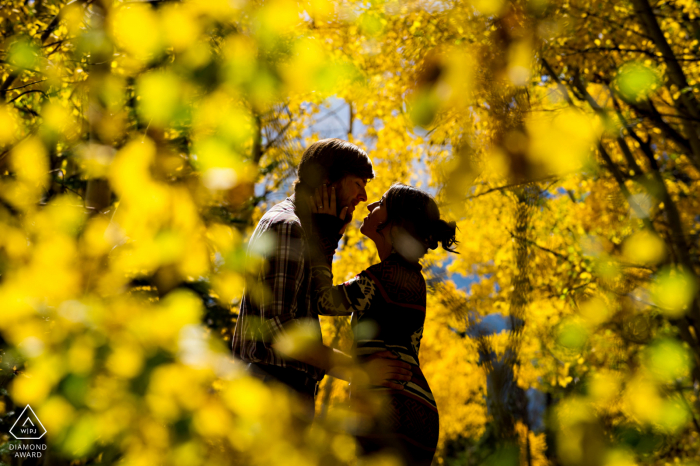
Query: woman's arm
{"points": [[326, 299], [355, 295]]}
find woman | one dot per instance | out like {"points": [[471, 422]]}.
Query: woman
{"points": [[387, 302]]}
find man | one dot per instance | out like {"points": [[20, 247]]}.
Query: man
{"points": [[270, 314]]}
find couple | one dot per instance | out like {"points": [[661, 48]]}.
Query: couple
{"points": [[387, 301]]}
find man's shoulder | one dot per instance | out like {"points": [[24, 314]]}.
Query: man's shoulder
{"points": [[281, 215]]}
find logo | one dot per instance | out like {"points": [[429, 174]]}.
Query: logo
{"points": [[28, 426]]}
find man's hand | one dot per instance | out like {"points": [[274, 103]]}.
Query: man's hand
{"points": [[386, 369]]}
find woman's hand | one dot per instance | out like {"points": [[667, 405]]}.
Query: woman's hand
{"points": [[324, 203]]}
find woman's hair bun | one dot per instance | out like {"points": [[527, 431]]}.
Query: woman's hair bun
{"points": [[444, 233], [417, 212]]}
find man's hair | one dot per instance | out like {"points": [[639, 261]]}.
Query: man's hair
{"points": [[330, 160]]}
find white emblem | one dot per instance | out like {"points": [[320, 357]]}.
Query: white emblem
{"points": [[415, 339]]}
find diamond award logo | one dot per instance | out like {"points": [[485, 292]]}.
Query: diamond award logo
{"points": [[28, 426]]}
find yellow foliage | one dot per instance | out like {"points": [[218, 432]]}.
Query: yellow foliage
{"points": [[196, 115], [135, 28], [562, 143]]}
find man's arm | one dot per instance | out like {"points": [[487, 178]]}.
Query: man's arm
{"points": [[383, 369], [281, 327]]}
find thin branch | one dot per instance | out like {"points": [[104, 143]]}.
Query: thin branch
{"points": [[555, 77], [629, 265], [529, 241], [26, 85], [690, 409], [63, 182], [67, 39], [624, 147], [672, 115], [45, 35], [257, 151], [651, 113], [648, 53], [58, 46], [277, 137], [27, 110], [569, 290], [618, 24], [623, 187], [7, 150], [514, 185], [31, 91]]}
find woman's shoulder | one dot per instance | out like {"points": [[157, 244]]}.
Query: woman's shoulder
{"points": [[396, 263], [400, 280]]}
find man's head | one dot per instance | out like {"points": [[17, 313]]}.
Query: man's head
{"points": [[337, 163]]}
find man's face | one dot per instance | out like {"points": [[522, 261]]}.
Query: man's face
{"points": [[350, 191]]}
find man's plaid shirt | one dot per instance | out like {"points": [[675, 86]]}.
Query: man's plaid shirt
{"points": [[285, 298]]}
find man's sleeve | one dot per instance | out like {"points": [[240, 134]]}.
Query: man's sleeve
{"points": [[342, 300], [326, 299], [282, 279]]}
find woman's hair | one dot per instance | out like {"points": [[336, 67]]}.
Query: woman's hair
{"points": [[330, 160], [416, 212]]}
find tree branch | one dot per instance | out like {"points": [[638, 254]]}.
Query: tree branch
{"points": [[31, 91], [529, 241], [654, 115], [509, 186], [26, 85], [44, 35], [676, 74], [621, 183], [624, 147], [556, 79]]}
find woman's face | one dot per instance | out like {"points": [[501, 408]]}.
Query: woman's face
{"points": [[377, 215]]}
